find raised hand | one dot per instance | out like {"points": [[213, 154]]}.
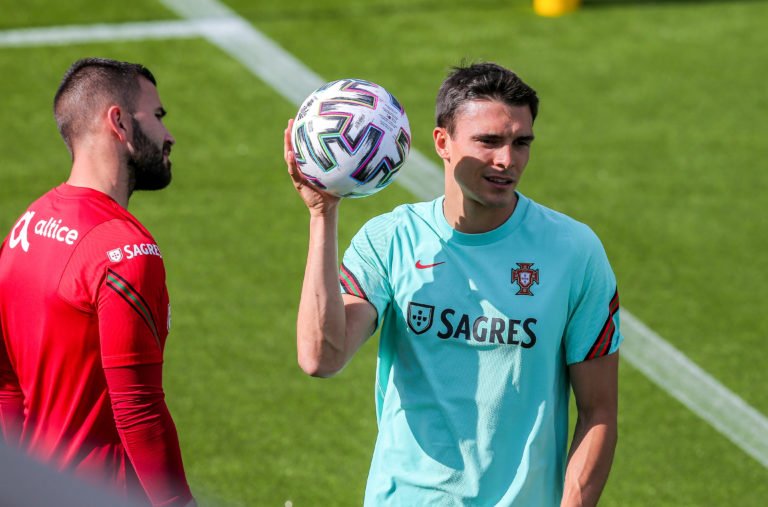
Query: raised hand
{"points": [[317, 201]]}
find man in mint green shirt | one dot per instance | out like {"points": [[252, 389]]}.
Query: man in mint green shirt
{"points": [[492, 307]]}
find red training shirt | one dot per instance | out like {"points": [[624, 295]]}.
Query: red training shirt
{"points": [[84, 316]]}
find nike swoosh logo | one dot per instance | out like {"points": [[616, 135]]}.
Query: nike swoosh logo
{"points": [[419, 265]]}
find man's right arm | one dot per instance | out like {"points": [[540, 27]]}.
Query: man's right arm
{"points": [[330, 326]]}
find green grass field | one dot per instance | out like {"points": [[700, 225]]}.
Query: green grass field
{"points": [[652, 130]]}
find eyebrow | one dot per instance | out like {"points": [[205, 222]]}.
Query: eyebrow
{"points": [[496, 137], [487, 137]]}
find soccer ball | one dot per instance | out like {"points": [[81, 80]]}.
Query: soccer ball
{"points": [[351, 138]]}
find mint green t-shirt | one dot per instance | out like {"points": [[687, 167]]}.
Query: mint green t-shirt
{"points": [[477, 333]]}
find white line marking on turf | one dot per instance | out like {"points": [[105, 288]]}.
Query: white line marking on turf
{"points": [[64, 35], [290, 78], [662, 363], [696, 389]]}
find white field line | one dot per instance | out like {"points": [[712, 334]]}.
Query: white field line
{"points": [[662, 363], [65, 35], [693, 387], [290, 78]]}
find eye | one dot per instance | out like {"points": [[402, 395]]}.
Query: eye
{"points": [[523, 141], [489, 141]]}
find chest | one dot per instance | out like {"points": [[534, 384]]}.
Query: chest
{"points": [[510, 294]]}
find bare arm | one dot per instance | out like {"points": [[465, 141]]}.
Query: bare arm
{"points": [[595, 386], [330, 327]]}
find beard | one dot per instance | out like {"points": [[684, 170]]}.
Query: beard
{"points": [[147, 168]]}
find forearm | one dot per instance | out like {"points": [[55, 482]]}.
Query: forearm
{"points": [[148, 433], [589, 461], [11, 408], [154, 451], [11, 417], [321, 321]]}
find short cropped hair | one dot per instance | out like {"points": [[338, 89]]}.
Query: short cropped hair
{"points": [[481, 81], [89, 87]]}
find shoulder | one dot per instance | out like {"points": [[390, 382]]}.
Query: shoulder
{"points": [[385, 233], [405, 220], [90, 215], [112, 251], [559, 227], [121, 240], [108, 234], [109, 226], [402, 216]]}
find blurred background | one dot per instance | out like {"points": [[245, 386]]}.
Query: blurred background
{"points": [[652, 130]]}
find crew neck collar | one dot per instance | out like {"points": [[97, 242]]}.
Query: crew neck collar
{"points": [[67, 190], [482, 238]]}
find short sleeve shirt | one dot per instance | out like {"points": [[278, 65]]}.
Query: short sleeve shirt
{"points": [[477, 331]]}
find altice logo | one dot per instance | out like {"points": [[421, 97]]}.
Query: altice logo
{"points": [[50, 228], [19, 232]]}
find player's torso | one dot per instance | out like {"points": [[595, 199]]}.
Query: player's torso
{"points": [[51, 327], [508, 296], [471, 359], [36, 252]]}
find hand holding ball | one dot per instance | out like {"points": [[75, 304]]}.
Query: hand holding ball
{"points": [[351, 138]]}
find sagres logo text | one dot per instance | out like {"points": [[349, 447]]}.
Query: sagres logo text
{"points": [[451, 324], [135, 250]]}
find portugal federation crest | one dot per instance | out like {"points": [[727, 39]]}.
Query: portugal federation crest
{"points": [[525, 277], [420, 317], [115, 255]]}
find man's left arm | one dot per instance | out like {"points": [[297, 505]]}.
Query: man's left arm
{"points": [[595, 387], [11, 400], [130, 299], [133, 325]]}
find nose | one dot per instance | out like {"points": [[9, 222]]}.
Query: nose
{"points": [[169, 138], [503, 156]]}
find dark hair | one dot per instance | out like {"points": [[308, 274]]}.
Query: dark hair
{"points": [[481, 81], [91, 85]]}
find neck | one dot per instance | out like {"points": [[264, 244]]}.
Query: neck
{"points": [[101, 169], [470, 217]]}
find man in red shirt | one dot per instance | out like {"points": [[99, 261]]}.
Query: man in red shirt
{"points": [[84, 309]]}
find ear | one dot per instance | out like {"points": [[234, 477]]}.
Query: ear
{"points": [[442, 143], [118, 122]]}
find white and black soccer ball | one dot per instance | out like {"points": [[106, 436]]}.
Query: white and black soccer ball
{"points": [[351, 138]]}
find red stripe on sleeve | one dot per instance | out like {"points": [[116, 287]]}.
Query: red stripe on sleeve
{"points": [[602, 344], [355, 289]]}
